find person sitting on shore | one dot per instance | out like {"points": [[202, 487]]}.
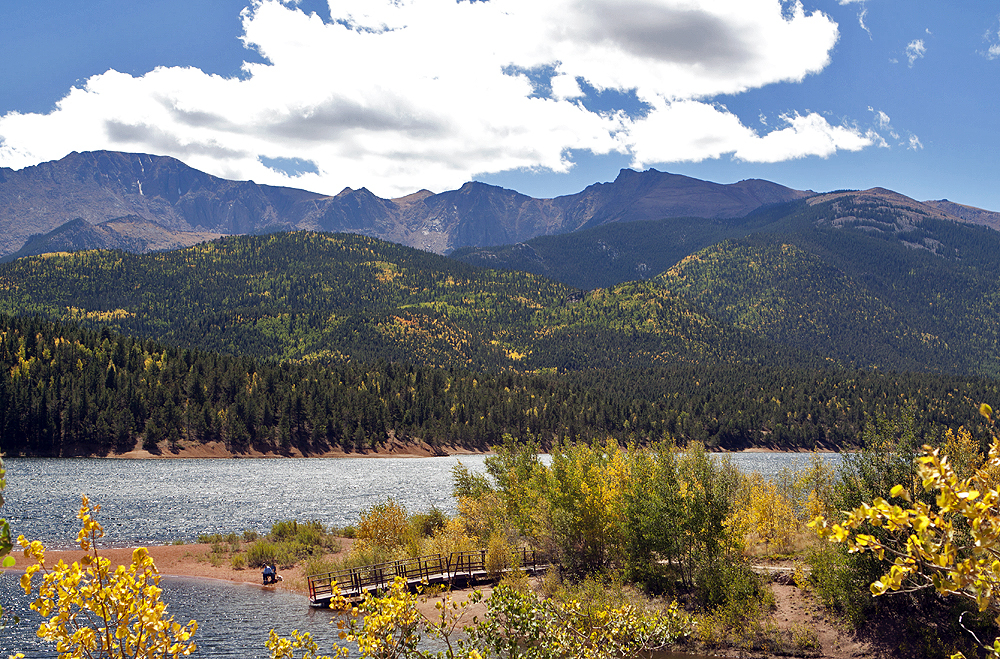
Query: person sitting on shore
{"points": [[269, 574]]}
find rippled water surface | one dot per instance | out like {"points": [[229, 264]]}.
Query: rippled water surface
{"points": [[769, 464], [148, 502], [159, 501]]}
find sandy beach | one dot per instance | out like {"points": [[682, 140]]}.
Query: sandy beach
{"points": [[193, 560]]}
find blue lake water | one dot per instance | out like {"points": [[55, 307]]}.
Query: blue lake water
{"points": [[148, 502], [159, 501]]}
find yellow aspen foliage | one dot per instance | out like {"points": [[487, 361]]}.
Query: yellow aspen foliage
{"points": [[386, 627], [762, 514], [583, 507], [815, 484], [384, 526], [481, 516], [287, 648], [500, 556], [91, 612], [951, 545], [389, 625], [451, 538], [516, 623]]}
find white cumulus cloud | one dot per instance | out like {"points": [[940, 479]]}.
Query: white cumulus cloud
{"points": [[398, 95]]}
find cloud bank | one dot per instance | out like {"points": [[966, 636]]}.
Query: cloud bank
{"points": [[398, 95]]}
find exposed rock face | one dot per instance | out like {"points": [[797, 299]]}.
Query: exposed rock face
{"points": [[103, 185]]}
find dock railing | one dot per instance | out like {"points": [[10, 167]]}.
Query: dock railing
{"points": [[457, 568]]}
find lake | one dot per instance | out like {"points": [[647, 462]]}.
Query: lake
{"points": [[146, 502]]}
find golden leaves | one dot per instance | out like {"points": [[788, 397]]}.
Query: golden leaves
{"points": [[99, 613], [923, 543]]}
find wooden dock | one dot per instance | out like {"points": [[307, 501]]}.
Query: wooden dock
{"points": [[458, 569]]}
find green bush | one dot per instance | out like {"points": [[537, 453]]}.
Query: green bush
{"points": [[262, 553], [211, 538], [731, 588], [307, 533], [427, 524], [239, 562], [311, 534], [834, 580], [284, 530]]}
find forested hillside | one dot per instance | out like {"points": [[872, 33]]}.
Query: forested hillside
{"points": [[342, 296], [867, 279], [71, 391], [862, 284]]}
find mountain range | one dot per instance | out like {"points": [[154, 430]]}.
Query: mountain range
{"points": [[158, 202]]}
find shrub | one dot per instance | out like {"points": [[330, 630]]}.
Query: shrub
{"points": [[284, 530], [310, 533], [738, 595], [384, 525], [501, 556], [319, 565], [238, 561], [427, 524], [262, 553], [210, 538], [763, 514], [449, 539]]}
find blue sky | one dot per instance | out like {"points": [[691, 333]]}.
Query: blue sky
{"points": [[542, 97]]}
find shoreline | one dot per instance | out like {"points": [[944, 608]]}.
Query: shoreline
{"points": [[218, 451], [193, 561], [392, 449], [187, 561]]}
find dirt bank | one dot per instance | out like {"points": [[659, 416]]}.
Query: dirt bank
{"points": [[391, 449]]}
